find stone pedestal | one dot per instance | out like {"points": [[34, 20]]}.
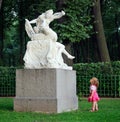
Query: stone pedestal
{"points": [[45, 90]]}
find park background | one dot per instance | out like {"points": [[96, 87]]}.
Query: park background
{"points": [[90, 31]]}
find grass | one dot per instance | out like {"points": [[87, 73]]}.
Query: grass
{"points": [[109, 111]]}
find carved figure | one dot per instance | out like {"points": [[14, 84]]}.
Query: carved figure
{"points": [[43, 51]]}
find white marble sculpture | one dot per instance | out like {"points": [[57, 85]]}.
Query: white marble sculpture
{"points": [[43, 51]]}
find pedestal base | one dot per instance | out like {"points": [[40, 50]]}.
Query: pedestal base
{"points": [[45, 90]]}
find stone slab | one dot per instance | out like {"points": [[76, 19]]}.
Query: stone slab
{"points": [[45, 90]]}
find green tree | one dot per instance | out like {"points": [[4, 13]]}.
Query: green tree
{"points": [[0, 3], [1, 32], [12, 30], [111, 21], [99, 30], [7, 24], [76, 26]]}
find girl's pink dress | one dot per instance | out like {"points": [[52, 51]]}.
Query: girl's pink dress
{"points": [[95, 96]]}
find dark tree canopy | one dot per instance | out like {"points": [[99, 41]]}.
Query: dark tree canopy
{"points": [[76, 28]]}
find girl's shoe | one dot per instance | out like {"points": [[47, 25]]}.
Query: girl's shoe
{"points": [[92, 110]]}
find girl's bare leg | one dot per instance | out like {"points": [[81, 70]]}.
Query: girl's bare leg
{"points": [[96, 106], [93, 106]]}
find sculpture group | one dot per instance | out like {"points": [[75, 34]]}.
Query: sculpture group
{"points": [[43, 51]]}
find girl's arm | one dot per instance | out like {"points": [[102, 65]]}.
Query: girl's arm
{"points": [[92, 92]]}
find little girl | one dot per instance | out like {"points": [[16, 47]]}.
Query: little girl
{"points": [[94, 98]]}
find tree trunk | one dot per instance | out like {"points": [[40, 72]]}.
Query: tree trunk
{"points": [[1, 33], [0, 4], [21, 30], [117, 33], [98, 24], [59, 4]]}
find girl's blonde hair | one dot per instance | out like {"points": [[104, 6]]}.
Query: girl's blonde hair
{"points": [[94, 81]]}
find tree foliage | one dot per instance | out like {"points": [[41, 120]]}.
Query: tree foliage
{"points": [[76, 26], [111, 20], [111, 16], [9, 23]]}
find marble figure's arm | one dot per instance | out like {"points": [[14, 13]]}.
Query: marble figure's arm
{"points": [[33, 21], [58, 15]]}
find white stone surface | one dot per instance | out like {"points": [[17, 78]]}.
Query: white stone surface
{"points": [[45, 90], [43, 51]]}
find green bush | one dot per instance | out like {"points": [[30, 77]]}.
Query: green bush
{"points": [[7, 81], [108, 74], [100, 68], [94, 69]]}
